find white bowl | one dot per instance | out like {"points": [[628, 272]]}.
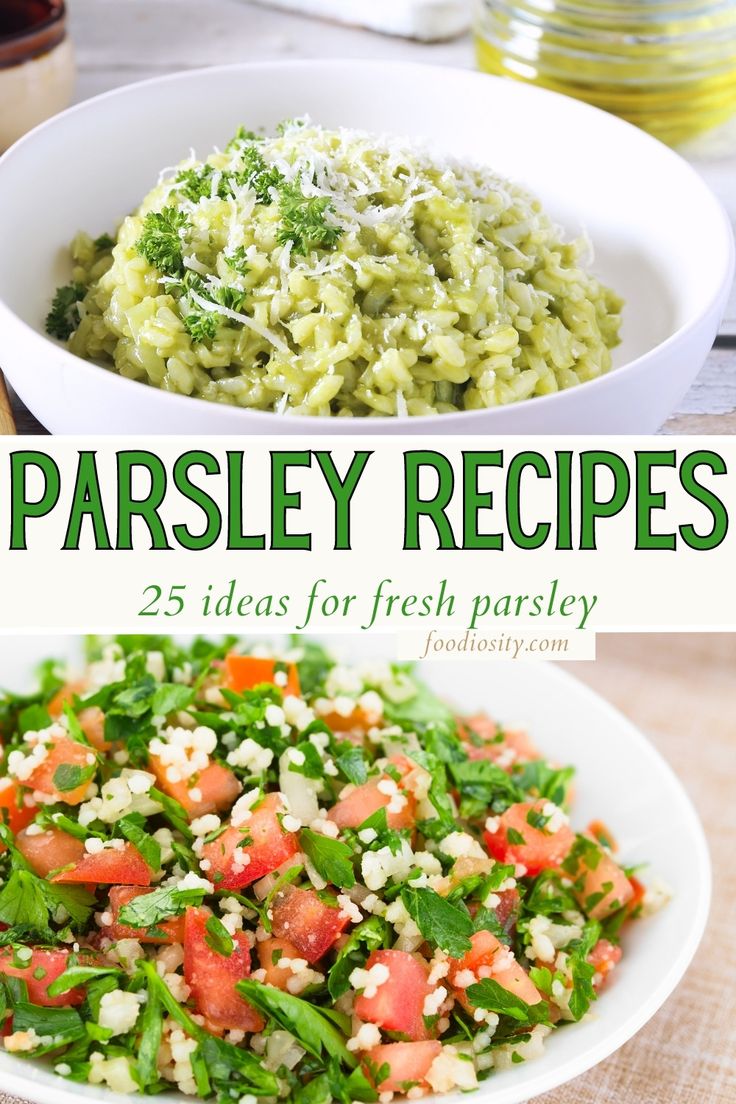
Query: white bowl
{"points": [[621, 780], [661, 238]]}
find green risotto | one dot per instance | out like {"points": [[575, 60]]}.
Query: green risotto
{"points": [[331, 272]]}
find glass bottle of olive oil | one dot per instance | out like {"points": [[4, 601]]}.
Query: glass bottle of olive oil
{"points": [[667, 65]]}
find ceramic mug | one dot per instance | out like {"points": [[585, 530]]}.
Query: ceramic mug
{"points": [[36, 65]]}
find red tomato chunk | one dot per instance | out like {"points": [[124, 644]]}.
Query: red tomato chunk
{"points": [[52, 963], [16, 809], [212, 976], [266, 847], [518, 841], [408, 1063], [49, 850], [123, 866], [307, 922], [63, 753], [398, 1003], [246, 672], [489, 958], [216, 786]]}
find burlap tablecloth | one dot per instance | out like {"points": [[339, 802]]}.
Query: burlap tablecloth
{"points": [[681, 690]]}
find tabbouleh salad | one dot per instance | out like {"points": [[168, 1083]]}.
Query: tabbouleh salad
{"points": [[338, 273], [274, 876]]}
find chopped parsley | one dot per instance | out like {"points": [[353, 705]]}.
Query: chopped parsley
{"points": [[304, 222], [331, 858], [63, 318], [161, 240]]}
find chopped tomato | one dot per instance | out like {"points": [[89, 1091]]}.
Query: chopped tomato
{"points": [[92, 722], [245, 672], [309, 923], [266, 845], [124, 866], [64, 696], [212, 976], [359, 720], [43, 968], [270, 953], [49, 850], [408, 1064], [48, 776], [601, 886], [604, 956], [489, 957], [362, 801], [398, 1003], [603, 834], [500, 745], [173, 929], [215, 788], [91, 719], [16, 809], [518, 841]]}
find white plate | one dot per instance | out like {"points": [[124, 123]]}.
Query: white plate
{"points": [[661, 238], [621, 780]]}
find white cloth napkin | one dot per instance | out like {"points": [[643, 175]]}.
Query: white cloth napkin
{"points": [[428, 20]]}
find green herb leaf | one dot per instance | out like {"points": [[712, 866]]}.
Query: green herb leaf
{"points": [[147, 910], [581, 971], [131, 828], [488, 994], [353, 765], [218, 938], [303, 221], [305, 1021], [170, 697], [78, 975], [63, 318], [150, 1026], [444, 925], [161, 242], [331, 858], [68, 776]]}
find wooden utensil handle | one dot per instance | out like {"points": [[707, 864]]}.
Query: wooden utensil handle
{"points": [[7, 422]]}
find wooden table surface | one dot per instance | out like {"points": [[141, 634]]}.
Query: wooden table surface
{"points": [[119, 41]]}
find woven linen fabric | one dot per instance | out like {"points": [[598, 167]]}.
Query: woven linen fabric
{"points": [[681, 690]]}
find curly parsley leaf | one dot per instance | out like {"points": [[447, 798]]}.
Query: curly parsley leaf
{"points": [[303, 221], [63, 318], [259, 176], [161, 240]]}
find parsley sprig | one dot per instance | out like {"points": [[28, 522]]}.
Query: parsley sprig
{"points": [[63, 318]]}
